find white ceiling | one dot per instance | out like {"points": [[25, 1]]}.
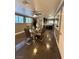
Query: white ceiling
{"points": [[46, 7]]}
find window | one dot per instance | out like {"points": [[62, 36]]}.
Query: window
{"points": [[56, 21], [22, 19], [16, 19], [50, 22], [19, 19], [28, 20]]}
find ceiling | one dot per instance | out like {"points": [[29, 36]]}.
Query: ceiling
{"points": [[25, 3], [46, 7]]}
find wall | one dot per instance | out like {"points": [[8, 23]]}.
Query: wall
{"points": [[61, 37], [60, 41], [20, 27], [60, 32]]}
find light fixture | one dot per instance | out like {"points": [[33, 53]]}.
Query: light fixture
{"points": [[47, 46], [50, 16], [35, 51], [49, 39], [34, 15], [37, 13], [47, 35]]}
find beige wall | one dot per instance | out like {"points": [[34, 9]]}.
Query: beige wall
{"points": [[61, 36], [20, 27]]}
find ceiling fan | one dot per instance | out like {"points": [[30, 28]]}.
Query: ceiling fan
{"points": [[37, 13], [26, 1]]}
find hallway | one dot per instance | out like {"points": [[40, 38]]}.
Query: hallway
{"points": [[44, 49]]}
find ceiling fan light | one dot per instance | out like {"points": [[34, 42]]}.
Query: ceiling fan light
{"points": [[34, 15]]}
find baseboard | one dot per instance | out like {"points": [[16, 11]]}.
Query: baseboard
{"points": [[19, 32]]}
